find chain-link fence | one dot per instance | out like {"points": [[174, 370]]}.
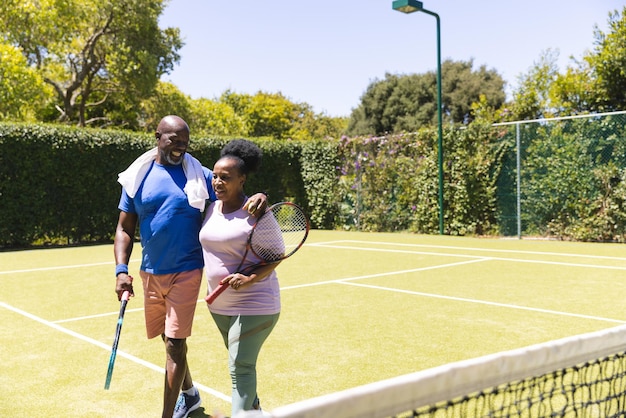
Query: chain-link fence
{"points": [[564, 177]]}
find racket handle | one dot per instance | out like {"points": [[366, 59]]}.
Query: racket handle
{"points": [[216, 292], [125, 296]]}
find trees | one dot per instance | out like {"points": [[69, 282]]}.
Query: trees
{"points": [[462, 86], [216, 118], [22, 90], [166, 99], [608, 63], [573, 174], [274, 115], [237, 114], [575, 90], [93, 54], [101, 63], [406, 102], [595, 83], [532, 98]]}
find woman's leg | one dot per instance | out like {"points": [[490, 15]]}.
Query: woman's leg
{"points": [[244, 336]]}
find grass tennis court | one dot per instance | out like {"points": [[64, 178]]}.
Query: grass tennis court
{"points": [[357, 308]]}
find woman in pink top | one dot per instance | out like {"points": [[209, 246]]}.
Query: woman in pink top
{"points": [[247, 311]]}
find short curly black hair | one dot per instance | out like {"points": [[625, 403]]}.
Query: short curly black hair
{"points": [[247, 152]]}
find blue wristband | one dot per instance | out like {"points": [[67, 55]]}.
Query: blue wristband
{"points": [[121, 268]]}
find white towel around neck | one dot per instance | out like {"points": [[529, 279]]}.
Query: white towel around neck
{"points": [[195, 188]]}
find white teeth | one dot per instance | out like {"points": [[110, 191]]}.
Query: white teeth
{"points": [[176, 154]]}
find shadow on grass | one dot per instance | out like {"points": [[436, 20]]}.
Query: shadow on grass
{"points": [[201, 412]]}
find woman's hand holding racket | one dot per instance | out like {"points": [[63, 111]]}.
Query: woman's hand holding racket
{"points": [[236, 281], [248, 275], [277, 234]]}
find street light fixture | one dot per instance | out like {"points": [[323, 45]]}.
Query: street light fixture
{"points": [[410, 6]]}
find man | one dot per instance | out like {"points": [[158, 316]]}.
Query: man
{"points": [[164, 192]]}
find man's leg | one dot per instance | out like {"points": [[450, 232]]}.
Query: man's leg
{"points": [[187, 381], [176, 372], [181, 301]]}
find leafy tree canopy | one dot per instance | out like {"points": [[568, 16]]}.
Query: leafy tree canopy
{"points": [[236, 114], [273, 115], [608, 63], [532, 99], [407, 102], [93, 53], [22, 90], [596, 83]]}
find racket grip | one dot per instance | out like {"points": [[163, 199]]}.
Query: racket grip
{"points": [[125, 296], [216, 292]]}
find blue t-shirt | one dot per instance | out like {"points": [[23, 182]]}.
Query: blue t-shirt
{"points": [[168, 225]]}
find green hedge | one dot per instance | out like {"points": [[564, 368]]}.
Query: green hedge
{"points": [[390, 183], [58, 185]]}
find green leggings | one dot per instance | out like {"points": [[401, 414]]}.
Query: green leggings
{"points": [[243, 337]]}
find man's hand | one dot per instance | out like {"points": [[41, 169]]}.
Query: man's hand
{"points": [[124, 282], [256, 204]]}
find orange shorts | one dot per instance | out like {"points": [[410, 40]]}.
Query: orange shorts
{"points": [[170, 302]]}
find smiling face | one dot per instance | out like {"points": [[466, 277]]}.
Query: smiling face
{"points": [[172, 140], [228, 181]]}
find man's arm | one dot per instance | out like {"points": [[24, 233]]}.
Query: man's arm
{"points": [[122, 249]]}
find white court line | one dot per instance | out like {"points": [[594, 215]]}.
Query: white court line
{"points": [[349, 281], [391, 273], [515, 260], [74, 266], [329, 244], [56, 268], [298, 286], [80, 318], [108, 348], [483, 302], [448, 247]]}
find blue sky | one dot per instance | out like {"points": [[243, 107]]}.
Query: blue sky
{"points": [[326, 52]]}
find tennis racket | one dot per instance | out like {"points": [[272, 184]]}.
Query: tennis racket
{"points": [[277, 234], [116, 340]]}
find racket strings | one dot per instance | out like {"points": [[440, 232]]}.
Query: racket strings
{"points": [[293, 227], [279, 233]]}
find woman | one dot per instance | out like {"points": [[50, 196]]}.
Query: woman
{"points": [[245, 313]]}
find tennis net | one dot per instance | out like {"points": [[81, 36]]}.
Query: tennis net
{"points": [[578, 376]]}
